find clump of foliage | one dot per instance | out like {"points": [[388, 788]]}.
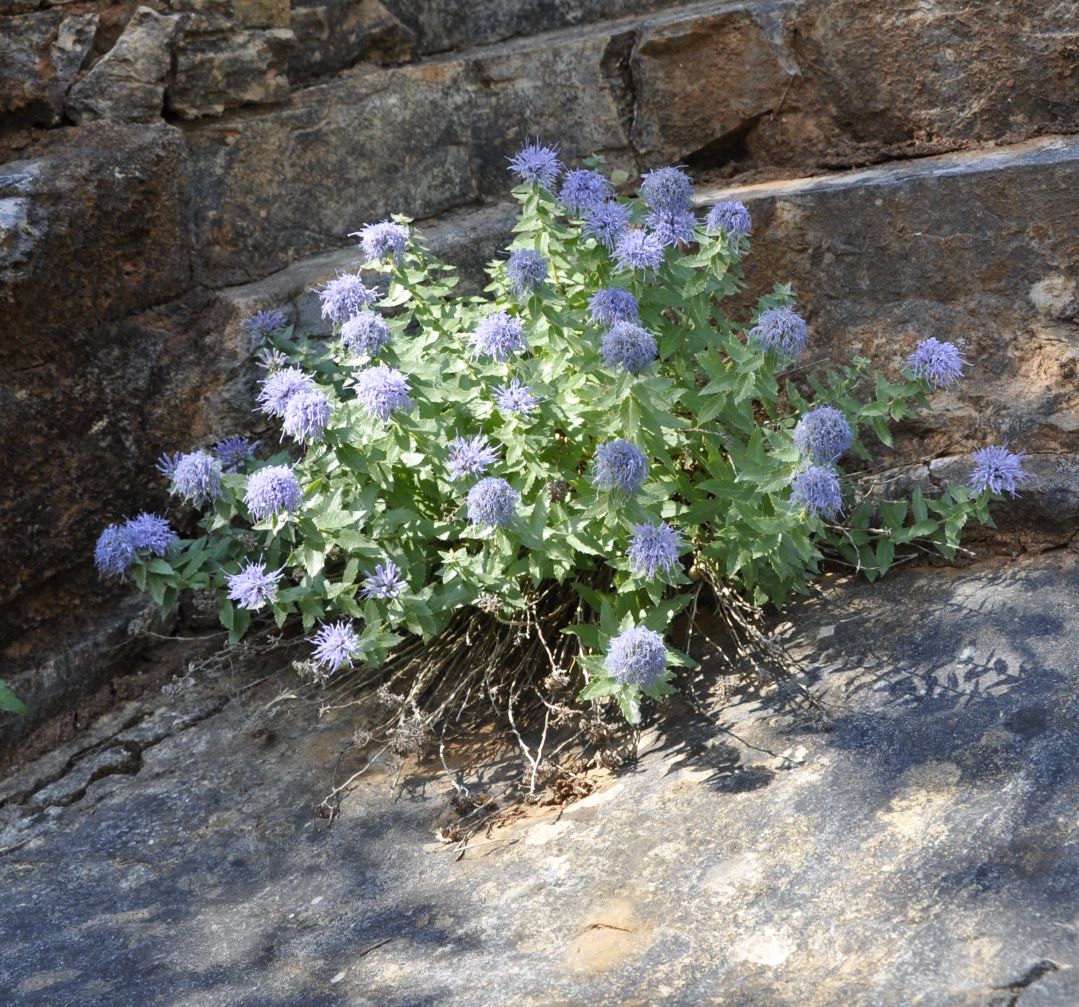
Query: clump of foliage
{"points": [[577, 451]]}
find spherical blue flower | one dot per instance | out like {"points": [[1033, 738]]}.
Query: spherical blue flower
{"points": [[492, 502], [336, 645], [197, 478], [607, 222], [672, 228], [516, 397], [345, 296], [366, 334], [667, 190], [167, 463], [151, 531], [263, 324], [234, 451], [654, 547], [470, 456], [998, 470], [583, 189], [637, 656], [629, 346], [383, 390], [526, 269], [385, 240], [536, 164], [610, 305], [817, 489], [940, 364], [306, 416], [253, 586], [638, 249], [280, 386], [499, 336], [114, 551], [385, 582], [729, 218], [271, 360], [272, 490], [620, 465], [782, 330], [823, 434]]}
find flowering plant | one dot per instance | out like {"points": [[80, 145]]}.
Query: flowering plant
{"points": [[595, 422]]}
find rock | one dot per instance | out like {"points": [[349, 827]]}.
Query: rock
{"points": [[128, 82], [969, 247], [922, 840], [40, 55], [225, 70], [201, 16], [338, 34]]}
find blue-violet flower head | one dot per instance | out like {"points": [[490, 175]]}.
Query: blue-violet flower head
{"points": [[253, 586], [382, 391], [629, 346], [197, 478], [536, 164], [167, 463], [610, 305], [607, 222], [263, 324], [336, 645], [280, 386], [345, 296], [667, 190], [306, 416], [998, 470], [817, 489], [272, 490], [637, 656], [654, 547], [151, 531], [499, 336], [492, 502], [638, 249], [234, 451], [620, 465], [672, 228], [385, 582], [516, 397], [366, 334], [940, 364], [823, 434], [782, 330], [114, 551], [729, 218], [526, 270], [583, 189], [385, 240], [471, 456]]}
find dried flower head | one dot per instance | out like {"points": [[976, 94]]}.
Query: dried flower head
{"points": [[558, 490]]}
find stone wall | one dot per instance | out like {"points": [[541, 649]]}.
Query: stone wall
{"points": [[167, 168]]}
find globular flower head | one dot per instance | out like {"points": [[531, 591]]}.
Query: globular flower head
{"points": [[499, 336], [782, 330], [667, 190], [151, 531], [492, 502], [306, 415], [385, 582], [197, 478], [536, 164], [526, 270], [516, 397], [270, 359], [823, 434], [610, 305], [998, 470], [234, 451], [583, 189], [114, 551], [345, 296], [940, 364], [638, 249], [263, 324], [253, 586], [384, 241], [280, 386], [470, 456], [655, 547], [366, 334], [382, 391], [817, 489], [336, 646], [629, 346], [167, 463], [606, 222], [620, 465], [637, 656], [729, 218], [672, 228], [272, 490]]}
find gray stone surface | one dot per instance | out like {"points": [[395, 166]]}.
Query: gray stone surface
{"points": [[128, 83], [916, 846]]}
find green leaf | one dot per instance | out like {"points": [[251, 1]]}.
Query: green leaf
{"points": [[9, 701], [629, 702], [598, 688]]}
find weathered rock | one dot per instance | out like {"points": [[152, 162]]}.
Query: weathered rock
{"points": [[338, 34], [128, 82], [228, 69], [810, 82], [40, 54], [917, 843], [972, 247], [200, 16]]}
